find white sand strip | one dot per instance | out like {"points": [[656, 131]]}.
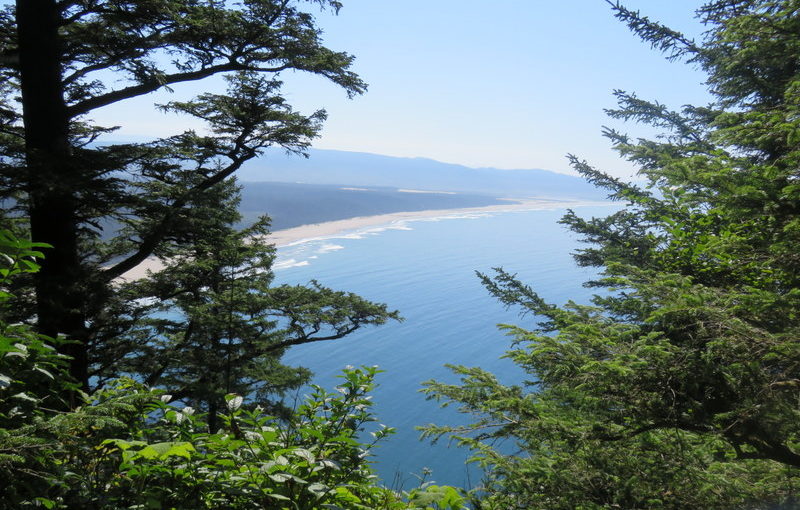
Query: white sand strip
{"points": [[303, 233]]}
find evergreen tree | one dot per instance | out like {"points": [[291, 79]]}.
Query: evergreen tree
{"points": [[218, 326], [679, 387], [62, 60]]}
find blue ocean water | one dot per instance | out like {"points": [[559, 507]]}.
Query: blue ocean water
{"points": [[426, 270]]}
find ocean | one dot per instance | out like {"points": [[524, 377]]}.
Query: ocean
{"points": [[426, 270]]}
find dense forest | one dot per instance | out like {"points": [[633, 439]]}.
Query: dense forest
{"points": [[677, 388]]}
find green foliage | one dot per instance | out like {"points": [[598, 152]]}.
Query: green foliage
{"points": [[105, 208], [210, 323], [33, 376], [27, 360], [678, 387], [216, 324], [167, 459], [128, 447], [431, 497]]}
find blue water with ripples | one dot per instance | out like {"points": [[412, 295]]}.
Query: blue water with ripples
{"points": [[426, 270]]}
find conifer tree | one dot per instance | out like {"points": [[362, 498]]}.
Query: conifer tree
{"points": [[679, 387], [217, 325], [105, 208]]}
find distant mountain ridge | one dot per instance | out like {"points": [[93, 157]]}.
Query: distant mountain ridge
{"points": [[364, 169]]}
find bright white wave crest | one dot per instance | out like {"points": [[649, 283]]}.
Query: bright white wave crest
{"points": [[286, 264], [311, 248], [329, 247]]}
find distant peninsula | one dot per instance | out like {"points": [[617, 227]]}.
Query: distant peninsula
{"points": [[291, 205], [337, 185]]}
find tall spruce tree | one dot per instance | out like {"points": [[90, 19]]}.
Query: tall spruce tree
{"points": [[679, 388], [60, 60]]}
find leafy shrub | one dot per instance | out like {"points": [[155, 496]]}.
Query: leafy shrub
{"points": [[127, 447]]}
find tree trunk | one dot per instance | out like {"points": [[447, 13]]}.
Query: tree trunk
{"points": [[52, 177], [212, 418]]}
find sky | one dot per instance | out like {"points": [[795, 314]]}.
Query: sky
{"points": [[482, 83]]}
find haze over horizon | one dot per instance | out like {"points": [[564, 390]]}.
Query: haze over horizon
{"points": [[517, 85], [333, 167]]}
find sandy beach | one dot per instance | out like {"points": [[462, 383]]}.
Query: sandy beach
{"points": [[304, 233]]}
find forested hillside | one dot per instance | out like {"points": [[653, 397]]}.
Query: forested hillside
{"points": [[290, 205]]}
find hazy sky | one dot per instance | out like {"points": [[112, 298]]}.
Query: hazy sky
{"points": [[502, 83]]}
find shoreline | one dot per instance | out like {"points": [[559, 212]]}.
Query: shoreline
{"points": [[314, 231]]}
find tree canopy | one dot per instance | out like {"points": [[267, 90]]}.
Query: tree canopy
{"points": [[678, 387], [75, 432], [105, 208]]}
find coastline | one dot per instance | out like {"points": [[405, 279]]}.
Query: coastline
{"points": [[304, 233]]}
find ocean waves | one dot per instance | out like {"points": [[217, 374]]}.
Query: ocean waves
{"points": [[425, 268], [304, 251]]}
